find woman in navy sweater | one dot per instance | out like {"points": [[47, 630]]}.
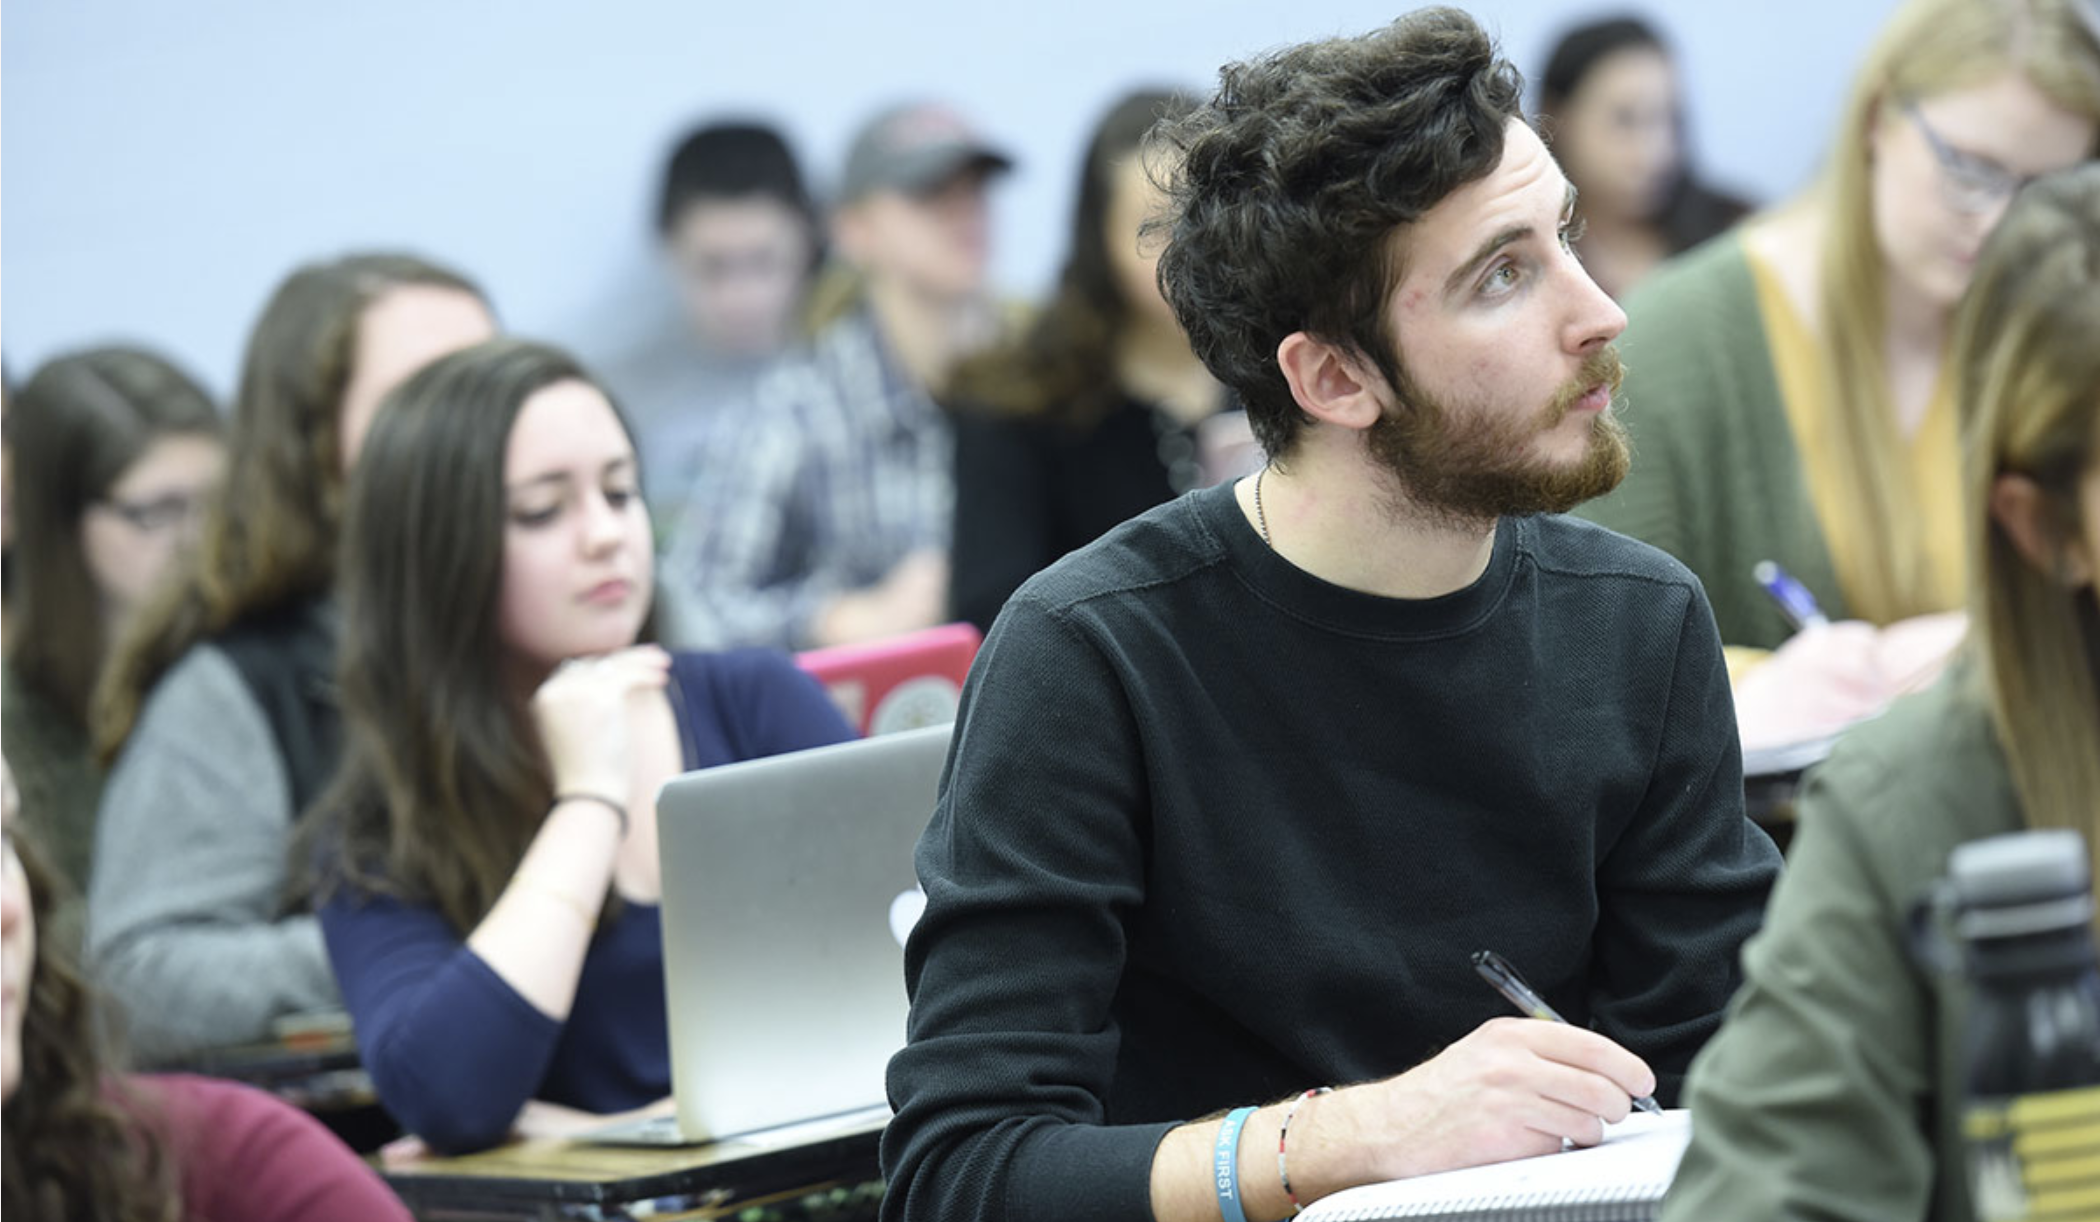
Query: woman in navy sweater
{"points": [[488, 872]]}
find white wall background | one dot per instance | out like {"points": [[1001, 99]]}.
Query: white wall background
{"points": [[163, 164]]}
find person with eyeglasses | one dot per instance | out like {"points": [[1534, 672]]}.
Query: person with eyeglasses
{"points": [[217, 712], [114, 448], [1835, 1088], [1789, 394]]}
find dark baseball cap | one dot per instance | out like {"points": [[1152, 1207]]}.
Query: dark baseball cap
{"points": [[915, 147]]}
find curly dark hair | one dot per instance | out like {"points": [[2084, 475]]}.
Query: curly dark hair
{"points": [[1287, 187], [75, 1141]]}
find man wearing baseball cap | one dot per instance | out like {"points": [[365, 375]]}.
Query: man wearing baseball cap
{"points": [[827, 519], [915, 148]]}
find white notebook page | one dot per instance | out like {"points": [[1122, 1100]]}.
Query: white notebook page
{"points": [[1634, 1163]]}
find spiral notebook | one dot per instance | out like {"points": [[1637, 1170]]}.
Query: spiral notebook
{"points": [[1621, 1180]]}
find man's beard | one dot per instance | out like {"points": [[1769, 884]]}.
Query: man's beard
{"points": [[1467, 468]]}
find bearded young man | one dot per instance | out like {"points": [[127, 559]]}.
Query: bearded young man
{"points": [[1237, 790]]}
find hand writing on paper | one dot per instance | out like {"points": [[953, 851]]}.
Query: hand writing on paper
{"points": [[1828, 676], [1913, 652], [1512, 1088]]}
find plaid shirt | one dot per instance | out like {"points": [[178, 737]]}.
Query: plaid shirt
{"points": [[840, 468]]}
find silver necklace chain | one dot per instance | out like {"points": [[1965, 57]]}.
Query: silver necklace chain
{"points": [[1261, 517]]}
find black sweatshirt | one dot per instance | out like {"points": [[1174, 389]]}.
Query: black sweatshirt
{"points": [[1215, 831]]}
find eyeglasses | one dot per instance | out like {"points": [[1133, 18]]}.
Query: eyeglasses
{"points": [[162, 513], [1969, 183]]}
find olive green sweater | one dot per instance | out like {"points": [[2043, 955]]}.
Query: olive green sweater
{"points": [[1716, 481], [1832, 1091]]}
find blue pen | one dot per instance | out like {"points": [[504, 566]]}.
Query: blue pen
{"points": [[1497, 971], [1795, 602]]}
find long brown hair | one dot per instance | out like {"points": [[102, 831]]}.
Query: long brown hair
{"points": [[443, 780], [76, 1144], [268, 539], [2030, 394], [1930, 46], [78, 423], [1064, 365]]}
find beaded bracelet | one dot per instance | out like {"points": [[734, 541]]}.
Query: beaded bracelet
{"points": [[1283, 1136], [1225, 1164], [617, 808]]}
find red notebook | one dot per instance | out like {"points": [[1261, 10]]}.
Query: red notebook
{"points": [[900, 682]]}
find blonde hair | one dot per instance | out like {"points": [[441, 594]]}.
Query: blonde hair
{"points": [[2025, 339], [1929, 47]]}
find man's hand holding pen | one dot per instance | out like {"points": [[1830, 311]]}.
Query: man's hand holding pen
{"points": [[1512, 1088]]}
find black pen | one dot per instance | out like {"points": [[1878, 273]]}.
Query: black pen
{"points": [[1496, 970]]}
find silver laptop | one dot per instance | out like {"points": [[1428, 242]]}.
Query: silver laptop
{"points": [[788, 889]]}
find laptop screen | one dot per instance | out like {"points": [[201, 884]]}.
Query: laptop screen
{"points": [[788, 887]]}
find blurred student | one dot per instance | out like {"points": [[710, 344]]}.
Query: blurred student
{"points": [[218, 706], [827, 518], [1790, 396], [1610, 100], [489, 875], [738, 236], [80, 1142], [1092, 416], [118, 450], [1833, 1084]]}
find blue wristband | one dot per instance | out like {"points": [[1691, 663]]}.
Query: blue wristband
{"points": [[1225, 1165]]}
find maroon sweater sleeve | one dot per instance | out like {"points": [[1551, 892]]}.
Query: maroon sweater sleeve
{"points": [[246, 1156]]}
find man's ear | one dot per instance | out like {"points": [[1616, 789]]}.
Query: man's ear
{"points": [[2027, 514], [1329, 382]]}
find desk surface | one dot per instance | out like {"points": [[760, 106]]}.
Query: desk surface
{"points": [[537, 1173]]}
